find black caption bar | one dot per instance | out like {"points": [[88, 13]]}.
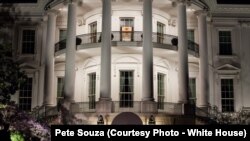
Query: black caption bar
{"points": [[148, 132]]}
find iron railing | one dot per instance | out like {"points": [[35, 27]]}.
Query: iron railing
{"points": [[128, 37]]}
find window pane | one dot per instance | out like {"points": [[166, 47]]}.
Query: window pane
{"points": [[192, 90], [60, 85], [225, 43], [126, 88], [93, 32], [62, 34], [25, 95], [227, 95], [92, 90], [28, 42], [161, 90]]}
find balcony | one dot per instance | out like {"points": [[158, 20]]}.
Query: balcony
{"points": [[130, 39], [169, 108]]}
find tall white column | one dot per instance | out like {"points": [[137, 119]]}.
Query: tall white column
{"points": [[105, 78], [202, 97], [49, 95], [69, 82], [147, 64], [182, 52], [42, 69]]}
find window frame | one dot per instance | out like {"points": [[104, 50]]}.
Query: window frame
{"points": [[160, 102], [130, 103], [26, 97], [191, 98], [92, 103], [22, 29], [231, 98], [219, 43]]}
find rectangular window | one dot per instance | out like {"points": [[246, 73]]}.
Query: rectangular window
{"points": [[227, 95], [127, 29], [25, 95], [60, 85], [192, 90], [93, 32], [28, 41], [225, 43], [161, 90], [126, 88], [92, 90], [62, 34], [160, 32]]}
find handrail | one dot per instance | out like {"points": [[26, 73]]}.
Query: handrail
{"points": [[136, 36]]}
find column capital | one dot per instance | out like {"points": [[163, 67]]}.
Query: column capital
{"points": [[185, 2], [201, 12], [52, 12], [71, 1]]}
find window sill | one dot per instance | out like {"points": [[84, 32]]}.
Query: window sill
{"points": [[227, 56]]}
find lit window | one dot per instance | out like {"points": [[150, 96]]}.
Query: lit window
{"points": [[192, 90], [25, 95], [62, 34], [225, 43], [227, 95], [28, 41], [160, 32], [161, 90], [126, 88], [60, 84], [127, 29], [93, 32], [92, 90]]}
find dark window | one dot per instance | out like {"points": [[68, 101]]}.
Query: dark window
{"points": [[28, 42], [126, 88], [190, 37], [225, 43], [92, 90], [25, 95], [161, 90], [227, 95]]}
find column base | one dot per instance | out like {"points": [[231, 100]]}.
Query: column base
{"points": [[104, 106], [202, 111], [148, 107], [188, 109]]}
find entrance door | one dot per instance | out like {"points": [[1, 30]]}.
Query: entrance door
{"points": [[127, 118]]}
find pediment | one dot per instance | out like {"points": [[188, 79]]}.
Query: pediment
{"points": [[228, 67], [28, 66]]}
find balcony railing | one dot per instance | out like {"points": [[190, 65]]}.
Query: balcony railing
{"points": [[170, 108], [130, 39]]}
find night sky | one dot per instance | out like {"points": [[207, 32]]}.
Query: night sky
{"points": [[233, 1], [18, 1]]}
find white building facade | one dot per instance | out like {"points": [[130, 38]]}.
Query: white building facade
{"points": [[146, 57]]}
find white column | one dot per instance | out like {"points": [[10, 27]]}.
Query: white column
{"points": [[105, 78], [42, 68], [49, 95], [147, 66], [182, 52], [69, 82], [202, 97]]}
